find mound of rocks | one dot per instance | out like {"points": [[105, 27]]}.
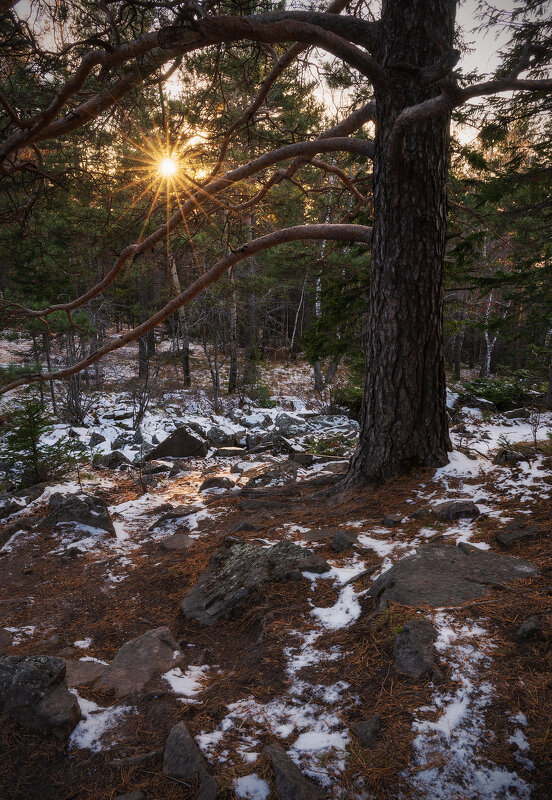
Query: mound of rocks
{"points": [[235, 571]]}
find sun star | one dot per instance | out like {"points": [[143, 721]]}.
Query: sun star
{"points": [[167, 167]]}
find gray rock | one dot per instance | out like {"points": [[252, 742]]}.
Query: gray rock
{"points": [[7, 531], [119, 416], [455, 509], [178, 543], [282, 445], [478, 402], [367, 731], [343, 541], [96, 439], [218, 437], [518, 413], [156, 466], [285, 472], [33, 691], [505, 457], [79, 673], [441, 575], [10, 505], [183, 760], [235, 572], [229, 452], [390, 520], [288, 425], [138, 660], [517, 529], [530, 627], [182, 443], [319, 534], [413, 648], [217, 482], [122, 440], [179, 513], [112, 460], [291, 784], [80, 509]]}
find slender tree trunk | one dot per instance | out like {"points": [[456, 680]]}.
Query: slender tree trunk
{"points": [[233, 323], [403, 419], [47, 351]]}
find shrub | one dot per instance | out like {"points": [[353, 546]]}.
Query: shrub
{"points": [[260, 393], [27, 456], [506, 393]]}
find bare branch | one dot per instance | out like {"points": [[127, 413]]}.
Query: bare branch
{"points": [[341, 233]]}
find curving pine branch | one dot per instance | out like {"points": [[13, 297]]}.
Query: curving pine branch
{"points": [[338, 233]]}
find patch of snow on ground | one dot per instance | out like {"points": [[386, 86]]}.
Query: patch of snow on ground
{"points": [[251, 787], [25, 630], [448, 762], [189, 683], [96, 722]]}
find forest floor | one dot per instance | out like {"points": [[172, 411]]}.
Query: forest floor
{"points": [[300, 661]]}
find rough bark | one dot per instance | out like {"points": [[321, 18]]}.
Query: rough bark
{"points": [[403, 422]]}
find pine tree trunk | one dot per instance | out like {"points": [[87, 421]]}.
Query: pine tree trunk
{"points": [[403, 421]]}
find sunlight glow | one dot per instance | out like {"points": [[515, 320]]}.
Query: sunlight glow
{"points": [[168, 167]]}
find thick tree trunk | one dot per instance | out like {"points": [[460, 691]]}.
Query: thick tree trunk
{"points": [[403, 421]]}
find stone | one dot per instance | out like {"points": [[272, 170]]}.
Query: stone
{"points": [[390, 520], [182, 443], [33, 691], [112, 460], [442, 575], [343, 541], [182, 760], [9, 530], [235, 571], [179, 513], [131, 796], [469, 401], [506, 457], [518, 413], [285, 472], [119, 416], [244, 525], [122, 440], [178, 543], [413, 648], [319, 534], [290, 783], [217, 482], [530, 627], [156, 466], [219, 437], [5, 641], [10, 505], [287, 425], [367, 731], [138, 660], [229, 452], [83, 509], [455, 509], [517, 529], [80, 673], [282, 445]]}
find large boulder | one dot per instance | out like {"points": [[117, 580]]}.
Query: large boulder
{"points": [[183, 761], [440, 575], [278, 474], [33, 691], [112, 460], [221, 437], [287, 425], [217, 482], [181, 443], [138, 660], [80, 509], [291, 784], [234, 572]]}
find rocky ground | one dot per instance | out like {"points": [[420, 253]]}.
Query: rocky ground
{"points": [[202, 613]]}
